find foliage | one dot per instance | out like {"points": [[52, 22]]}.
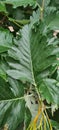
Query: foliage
{"points": [[29, 83]]}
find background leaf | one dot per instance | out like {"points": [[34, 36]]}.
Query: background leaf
{"points": [[5, 40], [55, 124], [50, 90], [17, 3], [13, 105], [2, 7]]}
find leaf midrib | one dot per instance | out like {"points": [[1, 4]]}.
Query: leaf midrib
{"points": [[15, 99]]}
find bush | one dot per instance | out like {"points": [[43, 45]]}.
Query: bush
{"points": [[29, 75]]}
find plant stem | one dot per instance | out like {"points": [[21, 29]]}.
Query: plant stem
{"points": [[41, 9]]}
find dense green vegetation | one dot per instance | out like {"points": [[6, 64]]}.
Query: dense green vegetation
{"points": [[29, 64]]}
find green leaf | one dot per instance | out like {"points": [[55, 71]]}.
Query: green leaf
{"points": [[58, 75], [49, 90], [31, 55], [12, 104], [2, 7], [5, 40], [17, 3], [55, 124], [3, 68], [52, 20], [54, 24], [46, 3], [24, 70], [27, 117], [34, 18], [2, 74], [56, 1]]}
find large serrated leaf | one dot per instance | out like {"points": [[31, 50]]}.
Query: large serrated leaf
{"points": [[24, 70], [31, 55]]}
